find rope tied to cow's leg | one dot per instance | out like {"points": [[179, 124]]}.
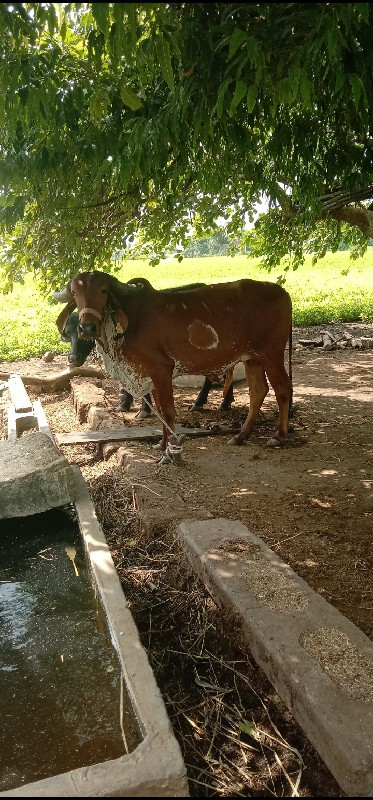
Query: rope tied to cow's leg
{"points": [[173, 450]]}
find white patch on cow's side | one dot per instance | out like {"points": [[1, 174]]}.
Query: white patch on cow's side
{"points": [[120, 369], [183, 306], [202, 336]]}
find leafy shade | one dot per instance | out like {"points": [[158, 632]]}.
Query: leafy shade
{"points": [[125, 126]]}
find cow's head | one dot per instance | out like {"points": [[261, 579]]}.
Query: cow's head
{"points": [[95, 294], [79, 348]]}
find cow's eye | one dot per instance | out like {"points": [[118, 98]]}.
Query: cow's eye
{"points": [[103, 291]]}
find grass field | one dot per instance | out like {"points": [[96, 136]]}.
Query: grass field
{"points": [[320, 294]]}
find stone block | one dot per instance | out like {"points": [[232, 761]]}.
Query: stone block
{"points": [[34, 476], [86, 394]]}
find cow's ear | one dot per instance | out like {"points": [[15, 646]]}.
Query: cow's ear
{"points": [[62, 317]]}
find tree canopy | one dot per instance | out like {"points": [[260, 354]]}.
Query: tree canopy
{"points": [[125, 126]]}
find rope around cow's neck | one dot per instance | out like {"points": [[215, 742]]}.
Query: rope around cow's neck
{"points": [[90, 311]]}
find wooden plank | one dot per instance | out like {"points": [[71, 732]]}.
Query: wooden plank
{"points": [[142, 434], [20, 398]]}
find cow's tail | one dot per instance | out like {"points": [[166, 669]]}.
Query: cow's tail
{"points": [[290, 367]]}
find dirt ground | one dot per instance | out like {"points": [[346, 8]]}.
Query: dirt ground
{"points": [[311, 501]]}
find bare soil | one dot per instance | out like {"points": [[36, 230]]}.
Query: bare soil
{"points": [[311, 501]]}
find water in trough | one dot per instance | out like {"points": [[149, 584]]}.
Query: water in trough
{"points": [[63, 703]]}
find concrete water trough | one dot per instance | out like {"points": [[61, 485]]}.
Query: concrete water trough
{"points": [[132, 751]]}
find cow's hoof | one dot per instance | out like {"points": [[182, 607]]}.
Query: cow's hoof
{"points": [[235, 440], [165, 460], [273, 442], [195, 408]]}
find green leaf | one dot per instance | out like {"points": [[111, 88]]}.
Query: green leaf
{"points": [[357, 88], [98, 105], [339, 81], [305, 89], [285, 93], [164, 59], [100, 13], [52, 19], [63, 30], [221, 96], [174, 45], [249, 728], [294, 77], [332, 42], [131, 14], [239, 93], [130, 98], [237, 38], [251, 97], [363, 10]]}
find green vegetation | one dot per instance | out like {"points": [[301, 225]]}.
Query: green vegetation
{"points": [[125, 123], [335, 290]]}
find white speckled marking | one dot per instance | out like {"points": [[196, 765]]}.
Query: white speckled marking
{"points": [[118, 368], [178, 370]]}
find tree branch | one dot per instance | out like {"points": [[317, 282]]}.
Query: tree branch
{"points": [[360, 217]]}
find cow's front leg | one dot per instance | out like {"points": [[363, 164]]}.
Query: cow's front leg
{"points": [[164, 401]]}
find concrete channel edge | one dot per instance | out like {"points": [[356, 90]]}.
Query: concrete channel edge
{"points": [[155, 768], [279, 615]]}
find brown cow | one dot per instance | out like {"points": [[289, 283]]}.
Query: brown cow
{"points": [[148, 337]]}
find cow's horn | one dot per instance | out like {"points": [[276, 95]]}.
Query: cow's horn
{"points": [[64, 296]]}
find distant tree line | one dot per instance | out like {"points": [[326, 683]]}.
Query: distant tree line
{"points": [[218, 244]]}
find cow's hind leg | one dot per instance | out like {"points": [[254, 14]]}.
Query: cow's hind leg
{"points": [[202, 397], [258, 389], [125, 400], [146, 409], [282, 387]]}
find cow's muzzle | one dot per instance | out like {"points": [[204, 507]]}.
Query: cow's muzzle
{"points": [[87, 330]]}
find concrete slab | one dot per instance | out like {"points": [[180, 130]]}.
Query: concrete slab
{"points": [[318, 661], [34, 476], [155, 768], [18, 393]]}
